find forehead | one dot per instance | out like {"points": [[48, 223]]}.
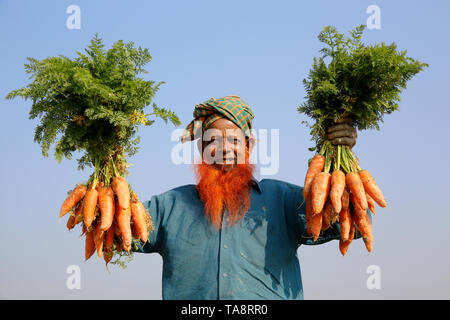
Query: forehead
{"points": [[226, 125]]}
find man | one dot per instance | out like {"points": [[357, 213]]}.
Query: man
{"points": [[231, 236]]}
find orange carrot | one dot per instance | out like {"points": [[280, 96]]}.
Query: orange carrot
{"points": [[351, 234], [371, 188], [71, 222], [106, 205], [76, 195], [313, 221], [332, 215], [316, 225], [120, 187], [357, 189], [343, 245], [344, 223], [98, 239], [337, 189], [345, 199], [370, 203], [109, 240], [90, 245], [123, 219], [326, 215], [79, 213], [319, 191], [315, 166], [89, 206], [364, 226], [138, 218]]}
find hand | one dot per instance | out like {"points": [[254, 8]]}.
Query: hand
{"points": [[342, 133]]}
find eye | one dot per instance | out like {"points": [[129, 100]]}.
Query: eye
{"points": [[214, 140], [234, 139]]}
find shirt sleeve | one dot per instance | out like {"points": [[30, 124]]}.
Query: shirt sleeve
{"points": [[153, 243]]}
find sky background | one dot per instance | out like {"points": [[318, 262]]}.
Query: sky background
{"points": [[261, 51]]}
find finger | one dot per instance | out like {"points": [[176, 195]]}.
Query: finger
{"points": [[341, 134], [340, 126], [344, 141]]}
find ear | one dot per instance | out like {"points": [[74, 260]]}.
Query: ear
{"points": [[251, 144]]}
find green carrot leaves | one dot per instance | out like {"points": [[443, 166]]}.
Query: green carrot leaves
{"points": [[93, 103], [354, 80]]}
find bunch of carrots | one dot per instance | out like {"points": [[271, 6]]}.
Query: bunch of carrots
{"points": [[356, 83], [94, 104], [111, 214], [340, 196]]}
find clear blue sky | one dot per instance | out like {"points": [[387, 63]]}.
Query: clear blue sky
{"points": [[260, 50]]}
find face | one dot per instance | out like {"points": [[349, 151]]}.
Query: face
{"points": [[224, 145]]}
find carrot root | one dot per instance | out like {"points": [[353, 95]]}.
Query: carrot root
{"points": [[120, 188], [138, 218], [123, 219], [74, 197], [343, 245], [319, 191], [371, 188], [107, 207], [315, 166], [356, 187], [337, 189], [89, 206]]}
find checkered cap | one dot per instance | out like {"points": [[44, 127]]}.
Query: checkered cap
{"points": [[230, 107]]}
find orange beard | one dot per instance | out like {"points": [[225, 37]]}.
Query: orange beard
{"points": [[224, 189]]}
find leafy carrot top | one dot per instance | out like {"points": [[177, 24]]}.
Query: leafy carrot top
{"points": [[360, 82], [93, 103]]}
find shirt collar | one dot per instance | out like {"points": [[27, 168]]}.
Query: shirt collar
{"points": [[256, 185]]}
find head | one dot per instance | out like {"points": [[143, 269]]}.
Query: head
{"points": [[224, 175]]}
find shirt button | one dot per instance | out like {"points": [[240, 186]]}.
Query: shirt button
{"points": [[225, 246], [225, 274]]}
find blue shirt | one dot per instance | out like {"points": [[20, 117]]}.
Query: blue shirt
{"points": [[256, 258]]}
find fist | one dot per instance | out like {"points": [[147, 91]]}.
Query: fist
{"points": [[342, 133]]}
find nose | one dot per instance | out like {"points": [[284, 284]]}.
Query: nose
{"points": [[226, 148]]}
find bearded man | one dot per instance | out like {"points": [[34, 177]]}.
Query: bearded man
{"points": [[230, 236]]}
